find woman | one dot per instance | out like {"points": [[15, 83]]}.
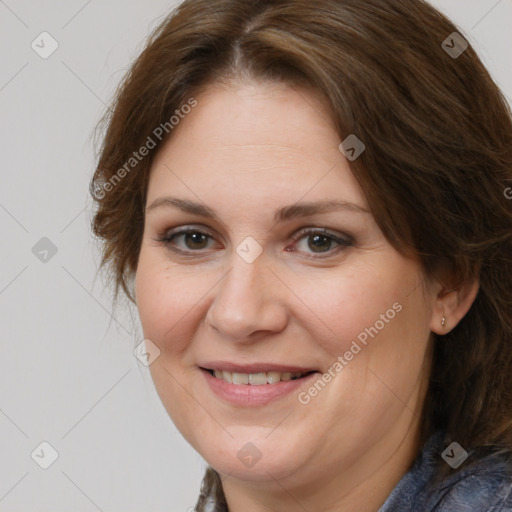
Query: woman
{"points": [[307, 203]]}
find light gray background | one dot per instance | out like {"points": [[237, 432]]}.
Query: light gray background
{"points": [[67, 373]]}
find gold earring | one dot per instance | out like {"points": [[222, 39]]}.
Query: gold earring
{"points": [[443, 321]]}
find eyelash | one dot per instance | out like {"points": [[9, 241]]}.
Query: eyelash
{"points": [[342, 243]]}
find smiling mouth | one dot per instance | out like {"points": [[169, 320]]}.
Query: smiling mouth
{"points": [[257, 379]]}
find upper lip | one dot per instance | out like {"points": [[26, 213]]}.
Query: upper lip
{"points": [[257, 367]]}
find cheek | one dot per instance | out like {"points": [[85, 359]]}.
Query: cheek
{"points": [[166, 301], [381, 321], [354, 305]]}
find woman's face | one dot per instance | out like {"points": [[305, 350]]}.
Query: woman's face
{"points": [[283, 273]]}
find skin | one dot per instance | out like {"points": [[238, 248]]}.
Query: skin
{"points": [[247, 149]]}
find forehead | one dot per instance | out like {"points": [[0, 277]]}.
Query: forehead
{"points": [[248, 115], [256, 140]]}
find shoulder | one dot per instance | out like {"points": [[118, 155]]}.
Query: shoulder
{"points": [[485, 485]]}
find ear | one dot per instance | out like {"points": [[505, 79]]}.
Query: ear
{"points": [[452, 304]]}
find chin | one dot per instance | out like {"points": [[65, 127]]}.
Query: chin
{"points": [[259, 460]]}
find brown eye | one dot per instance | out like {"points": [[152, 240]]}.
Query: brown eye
{"points": [[321, 242], [195, 240], [187, 240]]}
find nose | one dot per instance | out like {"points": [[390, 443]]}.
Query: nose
{"points": [[248, 300]]}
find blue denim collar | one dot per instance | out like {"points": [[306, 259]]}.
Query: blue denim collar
{"points": [[483, 486]]}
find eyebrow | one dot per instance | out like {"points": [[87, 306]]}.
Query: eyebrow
{"points": [[282, 214]]}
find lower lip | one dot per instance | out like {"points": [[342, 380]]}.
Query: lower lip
{"points": [[248, 395]]}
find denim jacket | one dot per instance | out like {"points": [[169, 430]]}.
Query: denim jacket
{"points": [[485, 486]]}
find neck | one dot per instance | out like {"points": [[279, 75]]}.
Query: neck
{"points": [[363, 486]]}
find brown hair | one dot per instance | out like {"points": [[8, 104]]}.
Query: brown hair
{"points": [[438, 160]]}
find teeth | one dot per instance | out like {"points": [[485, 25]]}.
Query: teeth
{"points": [[273, 377], [240, 378], [256, 379]]}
